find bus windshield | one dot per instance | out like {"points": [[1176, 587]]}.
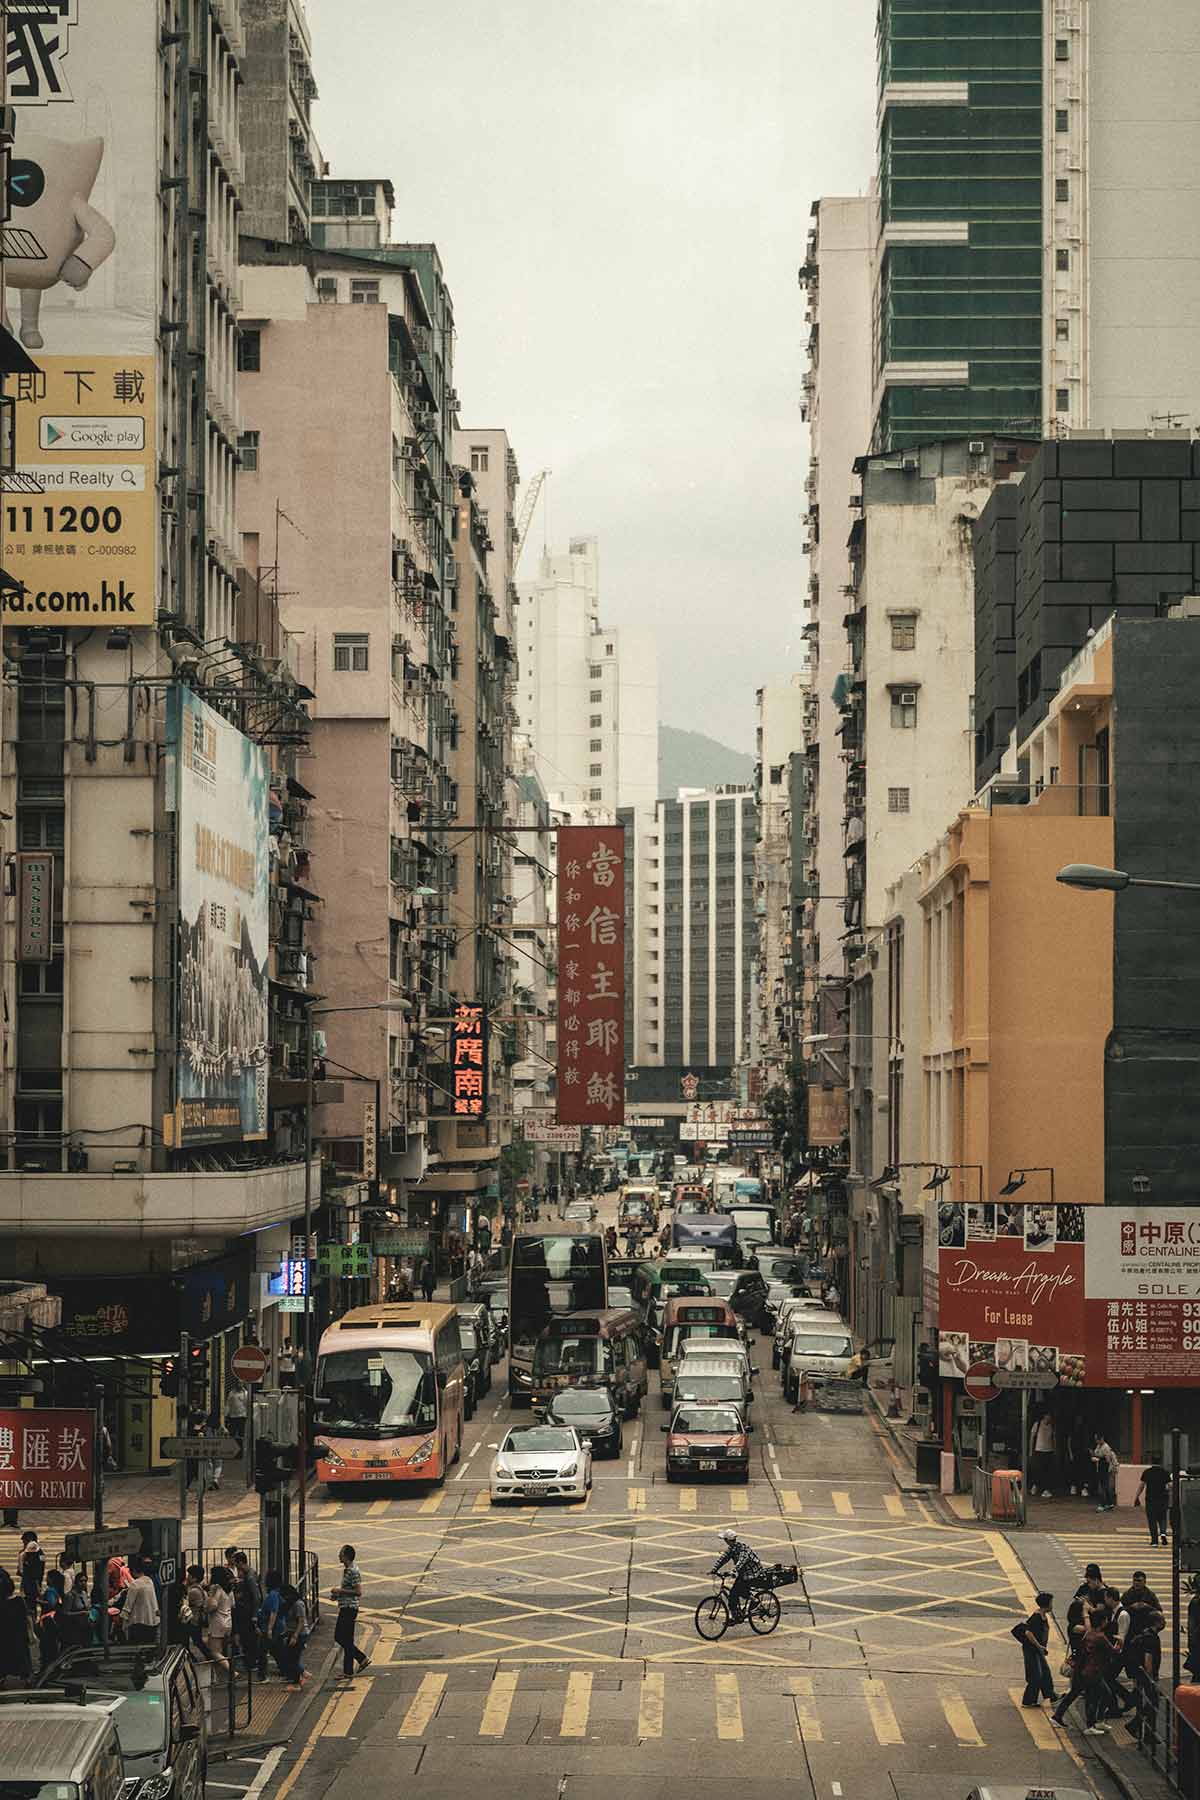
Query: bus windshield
{"points": [[379, 1392]]}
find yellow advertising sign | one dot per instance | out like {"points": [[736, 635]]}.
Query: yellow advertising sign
{"points": [[84, 549]]}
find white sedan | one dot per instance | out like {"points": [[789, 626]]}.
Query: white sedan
{"points": [[541, 1462]]}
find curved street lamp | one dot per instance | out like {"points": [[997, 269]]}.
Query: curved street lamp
{"points": [[1096, 880]]}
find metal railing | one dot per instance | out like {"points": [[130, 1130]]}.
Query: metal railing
{"points": [[1167, 1740], [1012, 1490], [304, 1576]]}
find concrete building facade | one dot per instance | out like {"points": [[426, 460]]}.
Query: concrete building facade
{"points": [[780, 740]]}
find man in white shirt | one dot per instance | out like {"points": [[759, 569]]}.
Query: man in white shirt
{"points": [[1042, 1457], [139, 1611]]}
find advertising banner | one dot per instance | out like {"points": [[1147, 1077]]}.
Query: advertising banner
{"points": [[828, 1115], [591, 975], [46, 1457], [552, 1137], [81, 255], [35, 906], [1010, 1288], [222, 833], [468, 1059], [692, 1132], [1142, 1287]]}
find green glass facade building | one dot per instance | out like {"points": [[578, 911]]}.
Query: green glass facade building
{"points": [[961, 195]]}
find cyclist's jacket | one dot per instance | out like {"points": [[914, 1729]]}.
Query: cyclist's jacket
{"points": [[742, 1557]]}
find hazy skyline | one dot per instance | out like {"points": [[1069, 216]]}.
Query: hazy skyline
{"points": [[620, 194]]}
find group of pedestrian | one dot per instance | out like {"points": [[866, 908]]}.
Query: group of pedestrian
{"points": [[1089, 1463], [1113, 1640], [43, 1611]]}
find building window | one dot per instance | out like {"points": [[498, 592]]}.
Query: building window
{"points": [[608, 649], [594, 719], [364, 293], [1062, 188], [1062, 399], [249, 352], [904, 709], [479, 459], [1062, 259], [897, 800], [248, 449], [596, 744], [904, 631], [595, 768], [350, 652], [1062, 119], [595, 671], [1062, 50], [596, 695], [595, 793], [1062, 330]]}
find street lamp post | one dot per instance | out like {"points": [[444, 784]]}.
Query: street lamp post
{"points": [[1096, 880]]}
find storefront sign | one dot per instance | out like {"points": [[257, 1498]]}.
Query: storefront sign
{"points": [[114, 1315], [722, 1112], [216, 1296], [350, 1262], [46, 1458], [400, 1243], [552, 1137], [828, 1114], [703, 1134], [1010, 1288], [292, 1279], [747, 1137], [468, 1059], [1142, 1286], [35, 906], [370, 1140], [591, 960]]}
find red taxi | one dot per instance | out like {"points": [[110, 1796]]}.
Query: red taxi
{"points": [[707, 1440]]}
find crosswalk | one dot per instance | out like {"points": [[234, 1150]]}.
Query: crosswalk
{"points": [[1119, 1554], [639, 1496], [652, 1704]]}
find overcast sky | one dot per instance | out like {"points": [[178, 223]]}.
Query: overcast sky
{"points": [[620, 193]]}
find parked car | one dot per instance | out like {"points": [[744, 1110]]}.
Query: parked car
{"points": [[159, 1714], [593, 1413], [813, 1312], [64, 1749], [827, 1352], [707, 1440], [777, 1292], [541, 1462], [475, 1337]]}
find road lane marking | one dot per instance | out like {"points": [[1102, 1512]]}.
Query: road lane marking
{"points": [[1037, 1724], [729, 1708], [294, 1773], [377, 1508], [475, 1450], [791, 1501], [650, 1707], [345, 1711], [835, 1787], [1010, 1562], [687, 1499], [483, 1501], [499, 1704], [636, 1501], [801, 1689], [426, 1701], [959, 1718], [576, 1706], [883, 1720], [385, 1644], [739, 1502], [894, 1504], [266, 1770], [329, 1510], [842, 1504], [431, 1504]]}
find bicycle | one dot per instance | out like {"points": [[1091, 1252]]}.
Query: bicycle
{"points": [[714, 1615]]}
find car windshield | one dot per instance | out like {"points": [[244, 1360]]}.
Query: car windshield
{"points": [[708, 1418], [572, 1356], [620, 1296], [709, 1387], [689, 1332], [807, 1343], [468, 1336], [583, 1403], [141, 1722], [723, 1282], [780, 1267], [537, 1438], [377, 1392], [39, 1790]]}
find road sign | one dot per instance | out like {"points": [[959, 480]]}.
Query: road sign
{"points": [[980, 1381], [96, 1546], [1032, 1379], [249, 1363], [195, 1449], [166, 1570]]}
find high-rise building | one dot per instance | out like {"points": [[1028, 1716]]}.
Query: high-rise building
{"points": [[282, 157], [587, 695], [782, 711]]}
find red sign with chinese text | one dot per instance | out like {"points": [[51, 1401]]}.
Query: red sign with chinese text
{"points": [[46, 1457], [591, 975], [468, 1060]]}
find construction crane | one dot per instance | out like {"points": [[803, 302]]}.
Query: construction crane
{"points": [[527, 506]]}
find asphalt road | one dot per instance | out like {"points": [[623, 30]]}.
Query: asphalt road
{"points": [[550, 1650]]}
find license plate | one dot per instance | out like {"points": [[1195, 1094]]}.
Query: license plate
{"points": [[377, 1475], [708, 1462], [535, 1489]]}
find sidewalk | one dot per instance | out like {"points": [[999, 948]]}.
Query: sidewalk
{"points": [[140, 1497]]}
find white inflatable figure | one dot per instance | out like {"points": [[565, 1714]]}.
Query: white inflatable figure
{"points": [[50, 180]]}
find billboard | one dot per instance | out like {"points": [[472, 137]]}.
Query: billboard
{"points": [[1142, 1295], [81, 267], [221, 789], [591, 975], [468, 1060], [47, 1458], [828, 1114], [35, 906]]}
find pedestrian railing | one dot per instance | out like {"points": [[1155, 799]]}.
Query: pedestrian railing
{"points": [[998, 1495], [1166, 1738], [981, 1492]]}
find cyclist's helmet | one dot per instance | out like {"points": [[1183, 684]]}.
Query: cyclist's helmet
{"points": [[729, 1536]]}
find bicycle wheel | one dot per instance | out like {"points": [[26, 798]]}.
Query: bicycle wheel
{"points": [[712, 1617], [763, 1612]]}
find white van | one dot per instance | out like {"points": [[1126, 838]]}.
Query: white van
{"points": [[824, 1352], [49, 1746]]}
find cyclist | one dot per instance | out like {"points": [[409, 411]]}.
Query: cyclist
{"points": [[747, 1568]]}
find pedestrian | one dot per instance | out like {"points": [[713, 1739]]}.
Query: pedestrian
{"points": [[16, 1636], [425, 1278], [1033, 1635], [219, 1609], [1042, 1456], [295, 1636], [1106, 1464], [1118, 1632], [247, 1599], [193, 1614], [1144, 1654], [74, 1627], [1091, 1660], [1139, 1593], [833, 1299], [237, 1405], [31, 1566], [1079, 1457], [49, 1629], [270, 1617], [348, 1596], [1155, 1485], [140, 1613], [118, 1577]]}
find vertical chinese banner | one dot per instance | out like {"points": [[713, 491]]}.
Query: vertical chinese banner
{"points": [[591, 975], [468, 1060]]}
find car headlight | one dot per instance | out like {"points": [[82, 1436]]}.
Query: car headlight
{"points": [[329, 1457], [503, 1472], [422, 1453], [571, 1469], [682, 1451], [157, 1787], [524, 1379]]}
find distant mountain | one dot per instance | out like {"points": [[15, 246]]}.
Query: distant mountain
{"points": [[689, 759]]}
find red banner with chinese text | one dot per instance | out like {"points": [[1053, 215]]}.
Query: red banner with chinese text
{"points": [[46, 1457], [468, 1060], [591, 975]]}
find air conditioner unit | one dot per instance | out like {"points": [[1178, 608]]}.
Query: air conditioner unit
{"points": [[907, 697], [451, 571], [326, 288], [910, 464], [976, 447]]}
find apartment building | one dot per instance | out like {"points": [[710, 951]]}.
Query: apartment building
{"points": [[282, 156], [780, 740]]}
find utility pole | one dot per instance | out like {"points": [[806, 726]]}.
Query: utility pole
{"points": [[182, 1420]]}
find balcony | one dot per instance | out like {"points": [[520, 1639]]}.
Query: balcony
{"points": [[191, 1203]]}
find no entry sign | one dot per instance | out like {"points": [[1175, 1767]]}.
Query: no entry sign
{"points": [[980, 1381], [249, 1363]]}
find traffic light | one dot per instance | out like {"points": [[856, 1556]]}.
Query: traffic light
{"points": [[274, 1465], [197, 1378], [168, 1381]]}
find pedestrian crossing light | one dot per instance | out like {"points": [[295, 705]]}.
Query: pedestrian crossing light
{"points": [[273, 1465], [197, 1378]]}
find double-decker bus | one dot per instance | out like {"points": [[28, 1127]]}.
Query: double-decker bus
{"points": [[551, 1272], [389, 1394]]}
